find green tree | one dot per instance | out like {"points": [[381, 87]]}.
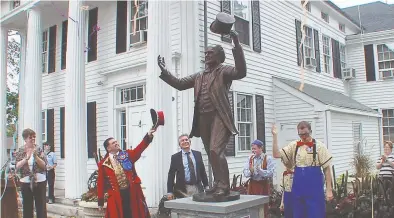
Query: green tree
{"points": [[13, 53]]}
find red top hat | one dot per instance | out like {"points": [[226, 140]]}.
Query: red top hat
{"points": [[157, 118]]}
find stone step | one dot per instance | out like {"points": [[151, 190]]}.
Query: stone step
{"points": [[65, 210], [66, 201]]}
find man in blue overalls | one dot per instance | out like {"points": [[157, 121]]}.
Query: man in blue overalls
{"points": [[307, 156]]}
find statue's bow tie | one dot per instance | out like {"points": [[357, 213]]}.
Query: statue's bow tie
{"points": [[300, 143]]}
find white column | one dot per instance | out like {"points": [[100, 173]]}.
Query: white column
{"points": [[32, 99], [75, 105], [190, 63], [3, 98], [21, 88], [158, 98]]}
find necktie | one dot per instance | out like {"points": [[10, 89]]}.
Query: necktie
{"points": [[193, 179], [301, 143]]}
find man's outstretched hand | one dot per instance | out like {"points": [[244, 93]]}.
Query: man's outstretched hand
{"points": [[161, 63], [234, 37]]}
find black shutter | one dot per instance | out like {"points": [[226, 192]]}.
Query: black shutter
{"points": [[62, 120], [91, 129], [260, 118], [64, 45], [51, 128], [52, 50], [317, 50], [225, 6], [121, 26], [336, 59], [369, 63], [256, 27], [230, 149], [298, 42], [92, 37]]}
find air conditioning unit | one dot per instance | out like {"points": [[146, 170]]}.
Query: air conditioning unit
{"points": [[310, 62], [139, 38], [348, 73]]}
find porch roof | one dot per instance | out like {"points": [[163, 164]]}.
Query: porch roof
{"points": [[328, 97]]}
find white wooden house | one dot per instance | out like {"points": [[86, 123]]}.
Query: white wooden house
{"points": [[77, 99], [371, 55]]}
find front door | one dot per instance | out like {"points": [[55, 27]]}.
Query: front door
{"points": [[137, 128]]}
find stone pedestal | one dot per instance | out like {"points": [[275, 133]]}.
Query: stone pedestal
{"points": [[248, 206]]}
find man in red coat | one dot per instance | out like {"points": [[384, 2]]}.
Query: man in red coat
{"points": [[117, 177]]}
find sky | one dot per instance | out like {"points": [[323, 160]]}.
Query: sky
{"points": [[349, 3]]}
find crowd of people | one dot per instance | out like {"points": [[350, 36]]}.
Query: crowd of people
{"points": [[306, 183]]}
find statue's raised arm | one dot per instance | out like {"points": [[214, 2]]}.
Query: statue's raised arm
{"points": [[178, 83]]}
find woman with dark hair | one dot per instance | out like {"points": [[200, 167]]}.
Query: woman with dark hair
{"points": [[118, 178], [31, 163], [308, 157], [385, 163]]}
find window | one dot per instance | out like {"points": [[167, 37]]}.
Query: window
{"points": [[308, 6], [388, 124], [132, 94], [308, 44], [44, 126], [357, 137], [241, 11], [123, 129], [385, 61], [244, 121], [138, 21], [325, 17], [342, 27], [342, 53], [15, 4], [326, 54], [45, 51]]}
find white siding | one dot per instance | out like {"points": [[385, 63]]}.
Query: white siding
{"points": [[342, 146], [53, 88], [278, 58], [375, 94]]}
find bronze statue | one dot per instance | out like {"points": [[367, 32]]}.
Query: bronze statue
{"points": [[213, 120]]}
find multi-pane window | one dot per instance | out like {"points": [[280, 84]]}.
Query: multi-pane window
{"points": [[44, 51], [15, 4], [342, 52], [342, 27], [388, 124], [43, 125], [308, 6], [241, 11], [132, 94], [123, 130], [244, 121], [325, 17], [357, 134], [385, 61], [138, 21], [308, 44], [326, 54]]}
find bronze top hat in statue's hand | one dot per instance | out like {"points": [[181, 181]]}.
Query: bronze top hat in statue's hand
{"points": [[223, 23]]}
